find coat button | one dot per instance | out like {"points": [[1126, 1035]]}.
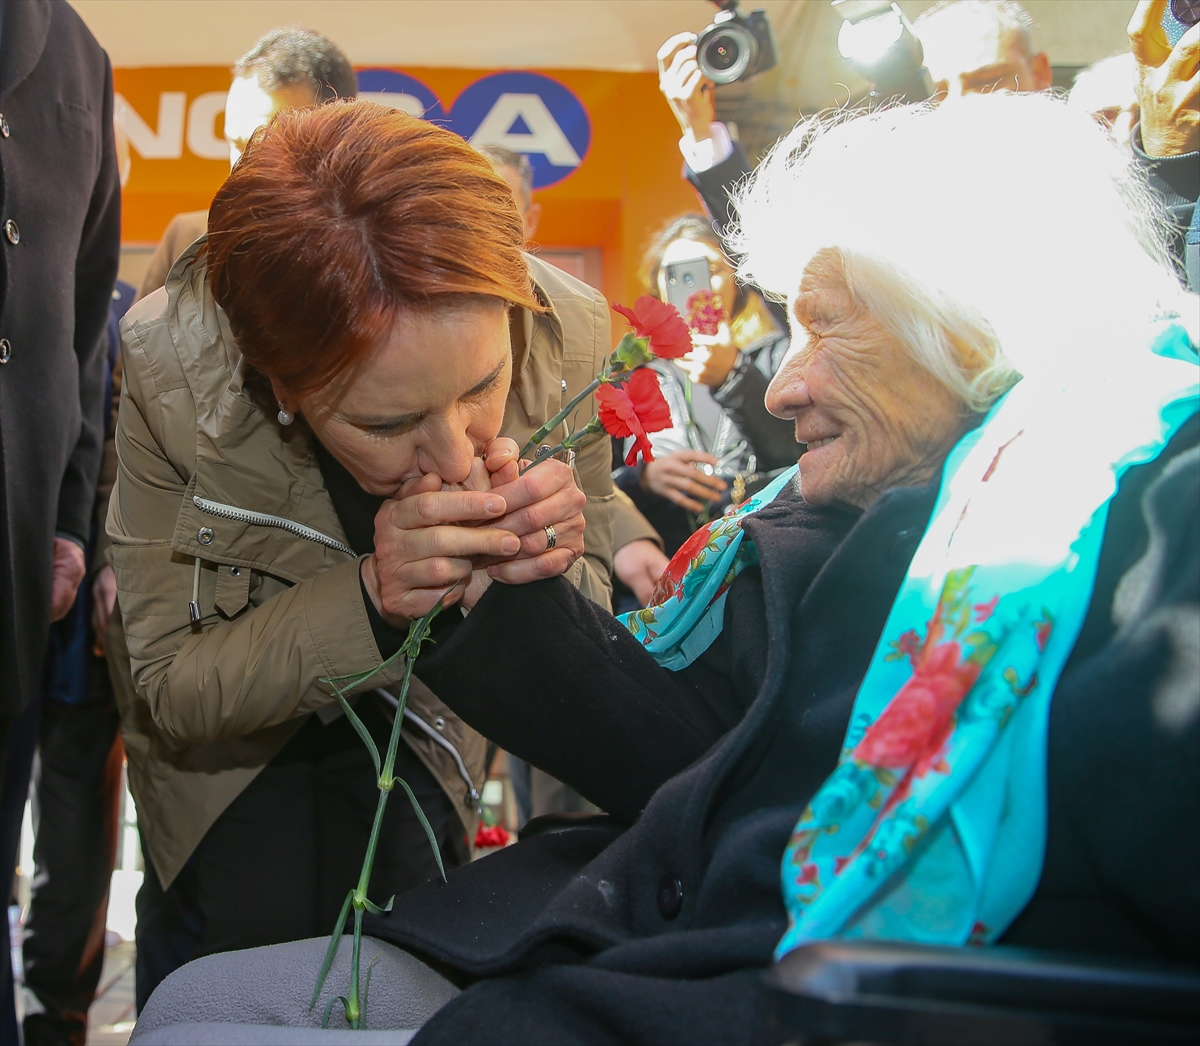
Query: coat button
{"points": [[11, 232], [440, 723], [5, 131], [5, 350], [670, 896], [235, 571], [205, 536]]}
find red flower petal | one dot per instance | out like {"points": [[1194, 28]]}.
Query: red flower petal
{"points": [[634, 408], [661, 323]]}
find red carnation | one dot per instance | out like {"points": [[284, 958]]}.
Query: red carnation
{"points": [[661, 323], [634, 408]]}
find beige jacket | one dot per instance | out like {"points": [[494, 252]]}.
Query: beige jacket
{"points": [[214, 497]]}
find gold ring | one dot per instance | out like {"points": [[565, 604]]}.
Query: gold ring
{"points": [[551, 538]]}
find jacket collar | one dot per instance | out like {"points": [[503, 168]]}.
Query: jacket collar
{"points": [[244, 458], [23, 37]]}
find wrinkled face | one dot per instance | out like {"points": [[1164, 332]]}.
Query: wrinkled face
{"points": [[427, 399], [721, 280], [249, 106], [872, 418]]}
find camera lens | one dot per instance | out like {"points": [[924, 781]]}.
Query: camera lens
{"points": [[688, 279], [724, 53]]}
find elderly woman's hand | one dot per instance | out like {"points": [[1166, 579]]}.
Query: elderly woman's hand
{"points": [[428, 539]]}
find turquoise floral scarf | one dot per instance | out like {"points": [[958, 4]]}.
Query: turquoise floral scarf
{"points": [[933, 826]]}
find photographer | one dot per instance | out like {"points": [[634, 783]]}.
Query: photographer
{"points": [[1166, 141], [971, 47]]}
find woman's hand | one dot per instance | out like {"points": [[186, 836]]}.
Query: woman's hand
{"points": [[1166, 82], [675, 477], [429, 539], [104, 598], [639, 565], [546, 496]]}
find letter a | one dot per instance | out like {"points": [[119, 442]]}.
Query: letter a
{"points": [[543, 136]]}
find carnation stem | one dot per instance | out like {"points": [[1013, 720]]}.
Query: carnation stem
{"points": [[558, 419], [418, 632], [576, 441]]}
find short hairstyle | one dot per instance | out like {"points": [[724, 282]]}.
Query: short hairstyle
{"points": [[340, 217], [502, 157], [300, 56], [1106, 84], [999, 237], [1004, 14]]}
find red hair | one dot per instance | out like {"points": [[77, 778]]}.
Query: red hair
{"points": [[339, 217]]}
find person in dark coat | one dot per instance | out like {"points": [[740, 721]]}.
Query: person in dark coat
{"points": [[941, 410], [61, 225]]}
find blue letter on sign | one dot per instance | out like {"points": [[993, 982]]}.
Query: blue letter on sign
{"points": [[529, 114]]}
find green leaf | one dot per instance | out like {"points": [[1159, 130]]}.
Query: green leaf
{"points": [[362, 1017], [374, 909], [362, 731], [331, 952], [437, 853], [329, 1008]]}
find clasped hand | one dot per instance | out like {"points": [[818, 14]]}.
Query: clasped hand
{"points": [[432, 536]]}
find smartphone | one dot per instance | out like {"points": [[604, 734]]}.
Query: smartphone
{"points": [[1179, 17], [684, 279]]}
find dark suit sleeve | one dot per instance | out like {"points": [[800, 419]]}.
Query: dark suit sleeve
{"points": [[717, 183], [1175, 180], [95, 275], [552, 678]]}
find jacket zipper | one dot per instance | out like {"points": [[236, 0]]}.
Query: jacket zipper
{"points": [[437, 738], [243, 515]]}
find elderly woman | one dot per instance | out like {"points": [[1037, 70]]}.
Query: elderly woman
{"points": [[360, 320], [940, 689]]}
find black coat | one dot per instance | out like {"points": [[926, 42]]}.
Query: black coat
{"points": [[61, 191], [659, 933]]}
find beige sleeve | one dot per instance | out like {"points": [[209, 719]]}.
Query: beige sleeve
{"points": [[592, 574], [629, 525], [226, 676]]}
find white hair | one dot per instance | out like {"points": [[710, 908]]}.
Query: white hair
{"points": [[1106, 84], [1006, 227]]}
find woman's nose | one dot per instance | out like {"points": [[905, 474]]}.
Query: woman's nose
{"points": [[449, 453], [787, 394]]}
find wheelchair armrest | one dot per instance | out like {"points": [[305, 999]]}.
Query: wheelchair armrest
{"points": [[884, 992], [553, 824]]}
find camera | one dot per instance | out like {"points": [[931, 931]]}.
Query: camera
{"points": [[736, 47], [1179, 17]]}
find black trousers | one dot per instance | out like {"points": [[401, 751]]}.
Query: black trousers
{"points": [[76, 800], [278, 863]]}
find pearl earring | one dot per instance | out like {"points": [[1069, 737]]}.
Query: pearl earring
{"points": [[286, 417]]}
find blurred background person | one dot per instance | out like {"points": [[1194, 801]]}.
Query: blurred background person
{"points": [[723, 442], [518, 172], [77, 782], [286, 69], [1166, 141], [978, 46], [1106, 90], [62, 214], [971, 46]]}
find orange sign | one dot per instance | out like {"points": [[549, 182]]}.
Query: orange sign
{"points": [[625, 186]]}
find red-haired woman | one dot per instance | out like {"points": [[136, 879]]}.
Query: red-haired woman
{"points": [[360, 324]]}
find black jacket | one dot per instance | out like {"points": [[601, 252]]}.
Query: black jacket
{"points": [[659, 933], [58, 263]]}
